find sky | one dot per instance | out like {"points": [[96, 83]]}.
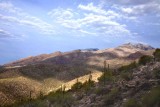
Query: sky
{"points": [[33, 27]]}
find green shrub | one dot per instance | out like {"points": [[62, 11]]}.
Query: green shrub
{"points": [[131, 103], [145, 59], [101, 90], [1, 68], [128, 67], [126, 75], [88, 85], [60, 98], [30, 103], [76, 86], [106, 77], [157, 73], [152, 99], [111, 97], [37, 103], [41, 95], [125, 71], [156, 54]]}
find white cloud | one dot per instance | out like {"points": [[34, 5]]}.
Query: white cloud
{"points": [[130, 2], [90, 7], [99, 10], [111, 14], [8, 7], [93, 21], [8, 18], [18, 16], [127, 10], [6, 34], [61, 13], [143, 9]]}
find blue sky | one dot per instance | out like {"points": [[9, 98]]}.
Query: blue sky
{"points": [[32, 27]]}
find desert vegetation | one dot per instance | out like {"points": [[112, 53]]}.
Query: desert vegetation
{"points": [[132, 85], [156, 54]]}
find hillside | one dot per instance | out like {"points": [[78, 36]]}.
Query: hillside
{"points": [[141, 90], [47, 72], [133, 85]]}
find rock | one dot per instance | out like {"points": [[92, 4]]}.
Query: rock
{"points": [[145, 86]]}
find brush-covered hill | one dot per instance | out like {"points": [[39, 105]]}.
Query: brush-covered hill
{"points": [[46, 72], [134, 85]]}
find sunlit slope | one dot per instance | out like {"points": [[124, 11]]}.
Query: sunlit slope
{"points": [[95, 75], [20, 88]]}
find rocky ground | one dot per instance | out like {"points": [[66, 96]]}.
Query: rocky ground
{"points": [[143, 80]]}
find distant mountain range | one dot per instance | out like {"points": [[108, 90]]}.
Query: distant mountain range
{"points": [[46, 72], [129, 50]]}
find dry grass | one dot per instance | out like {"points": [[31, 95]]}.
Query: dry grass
{"points": [[14, 89], [19, 88], [69, 84]]}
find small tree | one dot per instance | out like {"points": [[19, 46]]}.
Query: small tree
{"points": [[128, 67], [77, 85], [90, 79], [156, 54], [110, 98], [145, 59], [1, 68], [30, 95], [131, 103], [63, 90], [106, 76], [152, 99], [41, 95], [104, 72], [126, 75], [89, 83], [157, 73]]}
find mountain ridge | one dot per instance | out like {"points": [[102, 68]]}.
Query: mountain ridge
{"points": [[114, 51], [138, 46]]}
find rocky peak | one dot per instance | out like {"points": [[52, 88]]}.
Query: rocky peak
{"points": [[137, 46]]}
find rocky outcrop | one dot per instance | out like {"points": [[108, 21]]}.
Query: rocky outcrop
{"points": [[142, 82]]}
